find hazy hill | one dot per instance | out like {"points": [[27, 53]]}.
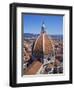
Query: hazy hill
{"points": [[30, 35]]}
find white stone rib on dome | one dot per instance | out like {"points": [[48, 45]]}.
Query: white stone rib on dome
{"points": [[37, 40]]}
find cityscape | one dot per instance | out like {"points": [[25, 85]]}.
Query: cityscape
{"points": [[42, 53]]}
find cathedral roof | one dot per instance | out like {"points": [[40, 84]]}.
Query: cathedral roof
{"points": [[33, 68], [43, 44]]}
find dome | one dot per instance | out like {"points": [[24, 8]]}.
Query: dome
{"points": [[43, 44]]}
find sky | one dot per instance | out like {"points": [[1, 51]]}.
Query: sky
{"points": [[32, 23]]}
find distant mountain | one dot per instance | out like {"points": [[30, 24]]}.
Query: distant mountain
{"points": [[57, 37], [31, 35]]}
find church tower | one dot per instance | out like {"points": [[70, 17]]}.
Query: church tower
{"points": [[43, 48]]}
